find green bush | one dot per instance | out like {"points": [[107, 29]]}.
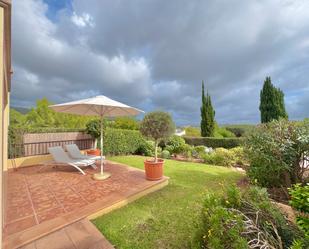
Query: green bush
{"points": [[175, 144], [198, 151], [52, 130], [187, 150], [275, 152], [225, 157], [127, 123], [239, 219], [215, 159], [93, 128], [222, 228], [146, 148], [221, 132], [300, 202], [240, 157], [165, 154], [300, 197], [193, 131], [240, 130], [122, 142], [214, 142]]}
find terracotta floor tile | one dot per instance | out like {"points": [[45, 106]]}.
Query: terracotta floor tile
{"points": [[53, 192], [19, 225], [50, 214], [44, 204], [18, 212]]}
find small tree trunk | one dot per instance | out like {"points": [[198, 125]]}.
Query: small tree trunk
{"points": [[95, 143], [156, 151]]}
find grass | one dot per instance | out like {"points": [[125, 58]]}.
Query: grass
{"points": [[168, 218]]}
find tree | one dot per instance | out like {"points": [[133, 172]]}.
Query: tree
{"points": [[127, 123], [93, 128], [17, 119], [271, 102], [157, 126], [207, 115], [277, 152]]}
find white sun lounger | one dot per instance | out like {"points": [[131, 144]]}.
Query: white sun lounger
{"points": [[60, 157], [75, 153]]}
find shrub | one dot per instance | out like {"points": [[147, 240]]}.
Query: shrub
{"points": [[276, 151], [15, 139], [199, 151], [187, 150], [238, 132], [127, 123], [300, 201], [193, 132], [222, 228], [93, 128], [215, 159], [52, 130], [300, 197], [225, 157], [245, 219], [157, 126], [214, 142], [122, 142], [175, 144], [221, 132], [165, 154], [240, 156], [146, 148]]}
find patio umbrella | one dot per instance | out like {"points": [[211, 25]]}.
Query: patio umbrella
{"points": [[101, 106]]}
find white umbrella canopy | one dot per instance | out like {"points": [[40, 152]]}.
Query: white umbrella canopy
{"points": [[97, 106]]}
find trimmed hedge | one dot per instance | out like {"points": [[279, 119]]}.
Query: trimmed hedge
{"points": [[214, 142], [51, 130], [122, 142]]}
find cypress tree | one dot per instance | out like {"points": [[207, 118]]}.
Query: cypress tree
{"points": [[280, 102], [207, 115], [271, 102]]}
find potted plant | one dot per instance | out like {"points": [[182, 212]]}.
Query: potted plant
{"points": [[93, 129], [156, 126]]}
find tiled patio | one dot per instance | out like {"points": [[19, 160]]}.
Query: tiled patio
{"points": [[45, 195]]}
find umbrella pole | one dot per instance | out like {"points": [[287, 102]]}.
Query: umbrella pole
{"points": [[101, 175], [101, 145]]}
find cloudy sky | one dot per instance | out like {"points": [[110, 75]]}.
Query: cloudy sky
{"points": [[153, 54]]}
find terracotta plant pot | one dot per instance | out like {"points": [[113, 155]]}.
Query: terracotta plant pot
{"points": [[95, 152], [154, 170]]}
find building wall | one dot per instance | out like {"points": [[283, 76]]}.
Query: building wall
{"points": [[2, 115], [5, 74]]}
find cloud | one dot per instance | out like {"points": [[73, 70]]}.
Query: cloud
{"points": [[154, 54], [82, 20], [62, 68]]}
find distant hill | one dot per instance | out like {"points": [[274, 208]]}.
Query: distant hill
{"points": [[22, 110]]}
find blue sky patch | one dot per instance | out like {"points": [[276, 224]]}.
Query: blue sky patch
{"points": [[55, 5]]}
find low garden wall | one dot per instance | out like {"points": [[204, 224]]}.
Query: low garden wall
{"points": [[214, 142], [33, 144]]}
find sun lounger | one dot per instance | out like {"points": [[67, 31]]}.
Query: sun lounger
{"points": [[75, 153], [61, 157]]}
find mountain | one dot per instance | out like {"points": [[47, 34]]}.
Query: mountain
{"points": [[22, 110]]}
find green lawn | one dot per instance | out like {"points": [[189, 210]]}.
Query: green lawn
{"points": [[168, 218]]}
